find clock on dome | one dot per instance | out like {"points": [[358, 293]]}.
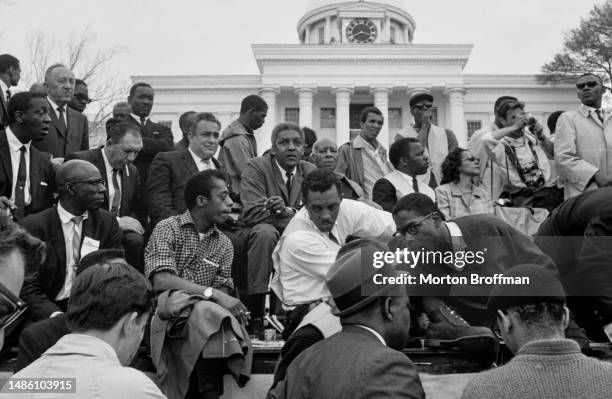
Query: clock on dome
{"points": [[361, 30]]}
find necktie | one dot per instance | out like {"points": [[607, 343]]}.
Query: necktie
{"points": [[8, 94], [143, 121], [415, 184], [117, 194], [76, 239], [62, 120], [598, 112], [21, 185], [288, 174]]}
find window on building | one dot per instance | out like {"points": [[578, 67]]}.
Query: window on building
{"points": [[472, 126], [165, 123], [321, 31], [328, 118], [392, 35], [395, 118], [292, 115]]}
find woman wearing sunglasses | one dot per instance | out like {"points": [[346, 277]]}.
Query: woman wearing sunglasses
{"points": [[458, 195]]}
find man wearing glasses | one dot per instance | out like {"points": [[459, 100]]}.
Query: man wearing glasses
{"points": [[80, 98], [436, 141], [73, 229], [583, 141]]}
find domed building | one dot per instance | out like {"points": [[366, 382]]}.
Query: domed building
{"points": [[353, 54]]}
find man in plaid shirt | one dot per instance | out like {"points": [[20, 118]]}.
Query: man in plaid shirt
{"points": [[187, 252]]}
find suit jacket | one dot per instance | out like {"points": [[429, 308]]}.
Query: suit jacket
{"points": [[36, 338], [130, 198], [350, 364], [262, 179], [165, 189], [61, 144], [42, 176], [3, 111], [182, 145], [155, 138], [42, 286]]}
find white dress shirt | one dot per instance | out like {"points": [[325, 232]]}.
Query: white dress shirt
{"points": [[109, 178], [3, 93], [68, 230], [284, 172], [201, 164], [137, 118], [15, 151], [54, 108]]}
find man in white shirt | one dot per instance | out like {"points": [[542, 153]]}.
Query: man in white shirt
{"points": [[111, 305], [10, 72]]}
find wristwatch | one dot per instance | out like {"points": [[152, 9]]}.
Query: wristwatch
{"points": [[208, 293]]}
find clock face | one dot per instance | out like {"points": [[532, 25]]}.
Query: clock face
{"points": [[361, 30]]}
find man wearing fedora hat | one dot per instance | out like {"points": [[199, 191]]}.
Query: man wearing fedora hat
{"points": [[436, 141], [531, 319], [363, 360]]}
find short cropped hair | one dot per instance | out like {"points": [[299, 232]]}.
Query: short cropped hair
{"points": [[509, 105], [50, 70], [185, 121], [204, 116], [252, 102], [117, 130], [500, 100], [451, 165], [310, 137], [401, 148], [8, 61], [14, 236], [101, 256], [364, 113], [591, 74], [417, 202], [102, 294], [539, 317], [281, 127], [319, 181], [137, 85], [551, 122], [201, 184], [21, 102], [79, 82]]}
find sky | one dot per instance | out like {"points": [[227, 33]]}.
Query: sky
{"points": [[210, 37]]}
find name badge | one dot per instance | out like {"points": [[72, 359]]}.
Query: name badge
{"points": [[89, 245]]}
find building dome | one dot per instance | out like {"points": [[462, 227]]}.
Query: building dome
{"points": [[356, 22]]}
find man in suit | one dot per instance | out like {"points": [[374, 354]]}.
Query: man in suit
{"points": [[80, 98], [271, 194], [27, 178], [156, 138], [185, 122], [114, 161], [364, 359], [76, 227], [69, 131], [10, 72]]}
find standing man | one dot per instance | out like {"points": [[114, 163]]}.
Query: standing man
{"points": [[80, 98], [583, 141], [410, 161], [436, 141], [27, 178], [73, 229], [185, 123], [155, 137], [114, 161], [69, 131], [238, 143], [364, 159], [10, 72]]}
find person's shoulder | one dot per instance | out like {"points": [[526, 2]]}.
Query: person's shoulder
{"points": [[36, 218], [171, 155], [487, 381], [131, 383], [260, 162], [307, 167]]}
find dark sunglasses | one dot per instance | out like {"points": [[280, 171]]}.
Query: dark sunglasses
{"points": [[422, 106], [11, 307], [413, 228], [591, 83], [81, 97], [471, 158], [93, 182]]}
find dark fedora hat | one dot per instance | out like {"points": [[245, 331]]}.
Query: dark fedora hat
{"points": [[350, 280], [418, 97]]}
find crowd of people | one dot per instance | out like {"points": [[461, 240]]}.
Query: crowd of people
{"points": [[197, 243]]}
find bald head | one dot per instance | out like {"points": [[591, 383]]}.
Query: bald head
{"points": [[76, 177], [324, 154]]}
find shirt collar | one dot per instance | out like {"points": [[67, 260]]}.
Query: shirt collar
{"points": [[456, 236], [137, 118], [283, 171], [65, 216], [185, 219], [54, 106], [14, 143], [3, 88], [457, 191], [376, 334], [359, 142], [585, 110], [197, 158]]}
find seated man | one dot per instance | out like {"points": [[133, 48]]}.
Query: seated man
{"points": [[114, 161], [325, 156], [76, 227], [36, 338], [410, 161], [308, 247], [364, 359], [107, 315], [500, 247], [188, 252], [271, 193], [531, 319]]}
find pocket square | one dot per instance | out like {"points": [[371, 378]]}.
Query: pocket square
{"points": [[42, 183], [155, 133]]}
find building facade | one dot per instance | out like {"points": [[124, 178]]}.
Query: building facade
{"points": [[353, 54]]}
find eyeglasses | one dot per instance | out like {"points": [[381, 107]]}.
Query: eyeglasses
{"points": [[591, 83], [423, 106], [82, 98], [413, 228], [11, 307], [471, 158], [93, 182]]}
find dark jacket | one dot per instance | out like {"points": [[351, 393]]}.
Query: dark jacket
{"points": [[181, 145], [42, 286], [42, 176], [63, 143], [3, 111]]}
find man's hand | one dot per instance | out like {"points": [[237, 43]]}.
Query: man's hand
{"points": [[275, 205], [6, 204], [127, 223], [603, 179], [520, 121], [233, 305]]}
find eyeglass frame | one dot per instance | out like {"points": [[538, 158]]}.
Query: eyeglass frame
{"points": [[93, 182], [17, 307], [413, 227], [590, 83], [423, 106]]}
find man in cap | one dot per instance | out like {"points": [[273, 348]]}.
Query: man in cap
{"points": [[364, 359], [531, 319]]}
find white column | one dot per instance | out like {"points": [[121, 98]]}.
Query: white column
{"points": [[455, 100], [305, 96], [343, 101], [264, 139], [307, 35], [406, 35], [381, 101], [387, 30], [327, 29]]}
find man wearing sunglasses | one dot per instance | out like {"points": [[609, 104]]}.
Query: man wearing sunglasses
{"points": [[583, 141], [73, 229], [80, 98]]}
